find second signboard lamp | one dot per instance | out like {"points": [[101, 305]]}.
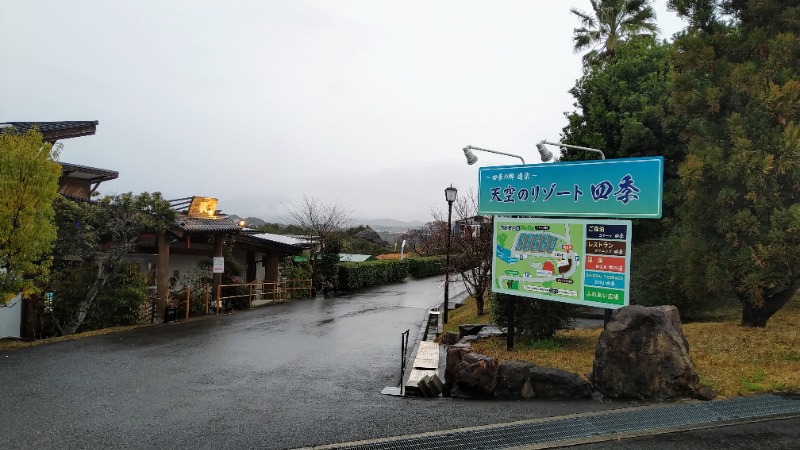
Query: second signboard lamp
{"points": [[547, 155]]}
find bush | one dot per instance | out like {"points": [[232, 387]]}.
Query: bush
{"points": [[534, 319], [371, 273], [119, 304], [426, 267], [652, 275]]}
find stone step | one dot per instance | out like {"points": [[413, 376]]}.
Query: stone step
{"points": [[424, 377]]}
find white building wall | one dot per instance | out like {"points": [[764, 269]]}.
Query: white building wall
{"points": [[11, 318]]}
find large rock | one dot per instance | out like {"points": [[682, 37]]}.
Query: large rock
{"points": [[476, 376], [449, 338], [524, 380], [469, 329], [455, 353], [552, 383], [643, 354], [490, 331], [514, 381]]}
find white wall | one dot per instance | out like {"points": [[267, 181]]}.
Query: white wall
{"points": [[11, 318]]}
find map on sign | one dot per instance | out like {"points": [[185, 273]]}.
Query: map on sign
{"points": [[583, 262]]}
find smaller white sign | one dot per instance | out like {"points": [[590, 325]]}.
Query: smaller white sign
{"points": [[219, 264]]}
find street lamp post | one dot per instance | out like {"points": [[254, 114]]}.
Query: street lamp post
{"points": [[450, 196]]}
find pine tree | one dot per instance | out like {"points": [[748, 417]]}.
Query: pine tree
{"points": [[737, 84]]}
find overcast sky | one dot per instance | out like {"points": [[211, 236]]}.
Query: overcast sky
{"points": [[365, 102]]}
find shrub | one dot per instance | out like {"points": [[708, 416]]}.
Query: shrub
{"points": [[118, 305], [534, 319], [652, 281], [371, 273], [426, 267]]}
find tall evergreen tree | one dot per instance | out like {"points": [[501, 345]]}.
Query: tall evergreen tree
{"points": [[610, 23], [622, 109], [737, 82]]}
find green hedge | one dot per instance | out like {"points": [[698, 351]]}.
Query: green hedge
{"points": [[371, 273], [426, 267]]}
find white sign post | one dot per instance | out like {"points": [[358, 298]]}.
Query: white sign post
{"points": [[219, 264]]}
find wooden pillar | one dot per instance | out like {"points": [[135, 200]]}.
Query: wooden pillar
{"points": [[271, 263], [219, 241], [251, 266], [162, 274]]}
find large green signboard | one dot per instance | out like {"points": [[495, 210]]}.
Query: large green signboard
{"points": [[621, 188], [584, 262]]}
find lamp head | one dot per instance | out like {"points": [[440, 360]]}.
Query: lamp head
{"points": [[471, 158], [544, 153], [450, 193]]}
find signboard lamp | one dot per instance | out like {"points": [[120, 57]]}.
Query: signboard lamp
{"points": [[472, 159], [547, 155]]}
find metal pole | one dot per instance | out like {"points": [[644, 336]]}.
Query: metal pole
{"points": [[188, 297], [447, 263], [512, 311]]}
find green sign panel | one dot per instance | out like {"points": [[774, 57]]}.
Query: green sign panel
{"points": [[583, 262], [621, 188]]}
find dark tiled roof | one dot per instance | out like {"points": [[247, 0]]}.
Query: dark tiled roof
{"points": [[274, 242], [53, 131], [92, 174], [202, 225]]}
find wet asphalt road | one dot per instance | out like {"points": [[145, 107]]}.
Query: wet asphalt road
{"points": [[308, 372]]}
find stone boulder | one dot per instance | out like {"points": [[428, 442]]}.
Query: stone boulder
{"points": [[490, 331], [553, 383], [514, 381], [469, 329], [449, 338], [643, 354], [524, 380], [455, 353], [475, 377]]}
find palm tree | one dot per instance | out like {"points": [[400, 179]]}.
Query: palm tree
{"points": [[611, 22]]}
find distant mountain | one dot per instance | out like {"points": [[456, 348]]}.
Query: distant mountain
{"points": [[251, 221], [390, 224], [385, 225], [254, 221]]}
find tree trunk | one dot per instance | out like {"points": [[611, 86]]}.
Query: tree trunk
{"points": [[479, 302], [88, 299], [757, 316]]}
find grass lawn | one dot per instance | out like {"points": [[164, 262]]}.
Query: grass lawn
{"points": [[732, 359]]}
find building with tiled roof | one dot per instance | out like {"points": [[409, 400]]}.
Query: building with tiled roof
{"points": [[55, 131], [77, 182], [199, 234]]}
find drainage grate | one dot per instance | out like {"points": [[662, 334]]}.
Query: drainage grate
{"points": [[642, 419]]}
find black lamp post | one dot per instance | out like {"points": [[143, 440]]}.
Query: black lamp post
{"points": [[450, 196]]}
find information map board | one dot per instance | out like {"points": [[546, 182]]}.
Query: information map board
{"points": [[584, 262]]}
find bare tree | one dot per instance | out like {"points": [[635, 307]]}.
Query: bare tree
{"points": [[427, 240], [472, 246], [318, 221]]}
